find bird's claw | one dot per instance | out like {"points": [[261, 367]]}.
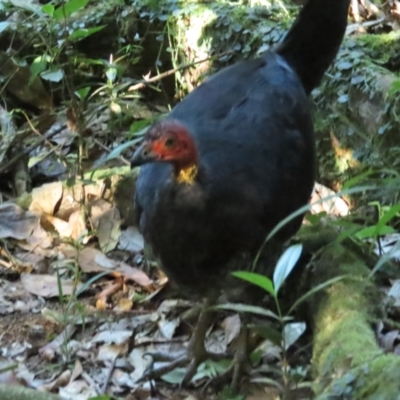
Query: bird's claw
{"points": [[150, 373], [192, 360]]}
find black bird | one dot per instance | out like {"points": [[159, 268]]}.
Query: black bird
{"points": [[232, 160]]}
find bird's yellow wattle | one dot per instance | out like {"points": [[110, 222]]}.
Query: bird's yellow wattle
{"points": [[187, 175]]}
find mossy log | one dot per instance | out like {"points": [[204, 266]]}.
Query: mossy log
{"points": [[22, 393], [347, 361]]}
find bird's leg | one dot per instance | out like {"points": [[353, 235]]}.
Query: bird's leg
{"points": [[241, 362], [196, 351], [240, 365], [195, 354]]}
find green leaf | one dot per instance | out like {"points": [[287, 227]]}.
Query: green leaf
{"points": [[374, 231], [260, 280], [83, 92], [69, 8], [244, 308], [285, 265], [267, 332], [394, 88], [389, 214], [48, 9], [84, 33], [138, 126], [38, 65]]}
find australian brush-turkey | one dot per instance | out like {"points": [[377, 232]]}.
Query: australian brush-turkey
{"points": [[232, 160]]}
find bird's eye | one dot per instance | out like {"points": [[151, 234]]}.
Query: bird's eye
{"points": [[169, 142]]}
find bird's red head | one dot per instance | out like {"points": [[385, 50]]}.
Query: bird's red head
{"points": [[167, 141]]}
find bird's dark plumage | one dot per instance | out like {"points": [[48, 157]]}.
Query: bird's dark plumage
{"points": [[255, 141], [252, 126]]}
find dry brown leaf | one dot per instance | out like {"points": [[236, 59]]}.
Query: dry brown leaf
{"points": [[16, 223], [107, 222], [109, 352], [39, 239], [77, 224], [46, 285], [232, 326], [77, 371], [124, 305], [61, 226], [333, 206], [46, 197], [94, 261], [60, 381], [49, 350]]}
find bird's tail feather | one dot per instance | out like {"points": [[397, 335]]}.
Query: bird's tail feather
{"points": [[313, 41]]}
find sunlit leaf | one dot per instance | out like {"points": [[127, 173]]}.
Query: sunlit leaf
{"points": [[292, 332], [84, 33], [83, 92], [48, 9], [38, 65], [53, 75], [4, 25], [285, 264], [374, 231], [69, 8], [138, 126], [260, 280]]}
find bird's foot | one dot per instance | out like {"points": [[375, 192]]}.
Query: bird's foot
{"points": [[194, 356], [196, 352]]}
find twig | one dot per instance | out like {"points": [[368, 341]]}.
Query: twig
{"points": [[163, 75], [108, 376]]}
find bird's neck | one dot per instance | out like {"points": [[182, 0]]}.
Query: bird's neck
{"points": [[187, 174]]}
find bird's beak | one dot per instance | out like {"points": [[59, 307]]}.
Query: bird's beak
{"points": [[144, 154]]}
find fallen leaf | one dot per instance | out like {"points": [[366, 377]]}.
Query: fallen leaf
{"points": [[232, 326], [333, 206], [131, 240], [94, 261], [112, 337], [47, 285], [45, 198], [124, 305], [107, 224], [61, 226], [110, 352], [49, 350], [16, 223], [77, 371], [77, 225]]}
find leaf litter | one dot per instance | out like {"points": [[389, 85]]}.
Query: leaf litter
{"points": [[103, 336]]}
